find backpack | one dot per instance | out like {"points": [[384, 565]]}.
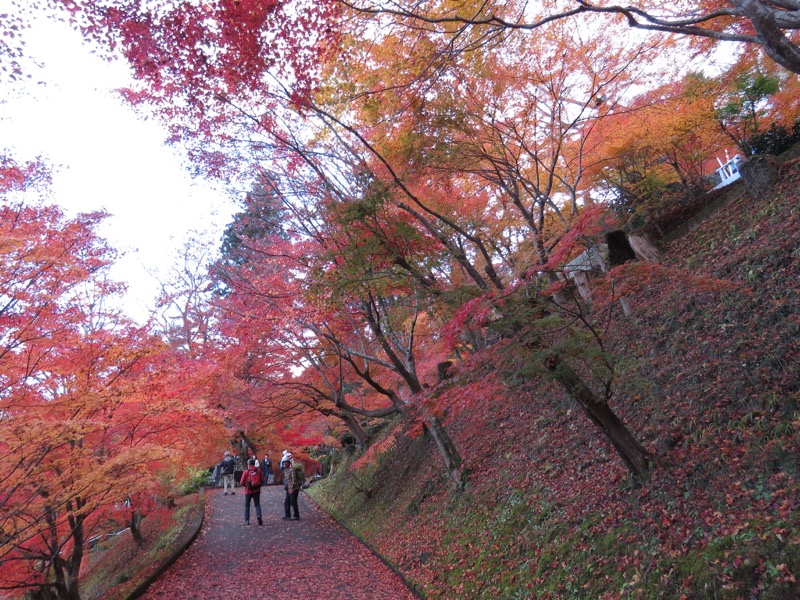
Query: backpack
{"points": [[299, 476], [253, 479]]}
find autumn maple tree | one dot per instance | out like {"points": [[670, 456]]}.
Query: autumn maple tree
{"points": [[665, 139], [315, 330], [91, 410]]}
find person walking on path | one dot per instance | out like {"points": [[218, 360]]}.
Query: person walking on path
{"points": [[227, 467], [252, 480], [292, 483]]}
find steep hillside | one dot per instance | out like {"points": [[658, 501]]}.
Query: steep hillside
{"points": [[708, 370]]}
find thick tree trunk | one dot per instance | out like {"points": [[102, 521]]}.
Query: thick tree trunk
{"points": [[644, 248], [63, 590], [65, 570], [635, 457], [355, 428], [66, 578], [773, 38], [249, 443]]}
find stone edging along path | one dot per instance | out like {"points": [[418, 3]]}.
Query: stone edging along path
{"points": [[185, 539]]}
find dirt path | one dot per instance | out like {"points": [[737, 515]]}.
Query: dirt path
{"points": [[310, 558]]}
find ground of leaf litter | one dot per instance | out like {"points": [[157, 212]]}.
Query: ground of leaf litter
{"points": [[310, 558]]}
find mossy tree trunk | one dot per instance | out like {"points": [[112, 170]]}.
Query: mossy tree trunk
{"points": [[632, 453]]}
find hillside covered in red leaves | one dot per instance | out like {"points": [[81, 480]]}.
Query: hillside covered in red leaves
{"points": [[707, 378]]}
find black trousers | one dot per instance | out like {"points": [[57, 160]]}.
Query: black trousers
{"points": [[290, 504], [256, 498]]}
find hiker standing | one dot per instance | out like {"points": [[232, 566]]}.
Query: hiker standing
{"points": [[252, 480], [226, 467], [266, 468], [292, 482]]}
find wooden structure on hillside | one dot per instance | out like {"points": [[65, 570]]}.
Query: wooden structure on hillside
{"points": [[596, 260], [588, 264]]}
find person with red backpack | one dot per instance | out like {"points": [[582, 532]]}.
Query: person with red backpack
{"points": [[252, 479]]}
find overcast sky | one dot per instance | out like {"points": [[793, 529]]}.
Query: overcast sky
{"points": [[105, 157]]}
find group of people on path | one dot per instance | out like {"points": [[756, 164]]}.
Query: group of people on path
{"points": [[257, 475]]}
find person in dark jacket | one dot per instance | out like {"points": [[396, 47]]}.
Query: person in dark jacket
{"points": [[226, 467], [251, 481], [292, 483], [266, 469]]}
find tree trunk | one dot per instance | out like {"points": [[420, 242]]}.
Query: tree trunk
{"points": [[135, 525], [773, 39], [66, 578], [451, 457], [632, 453], [44, 593], [65, 570], [760, 173], [644, 248], [355, 428], [250, 445], [76, 557]]}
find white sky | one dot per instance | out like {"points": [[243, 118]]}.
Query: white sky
{"points": [[105, 157]]}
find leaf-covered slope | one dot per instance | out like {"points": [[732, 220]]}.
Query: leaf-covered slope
{"points": [[709, 364]]}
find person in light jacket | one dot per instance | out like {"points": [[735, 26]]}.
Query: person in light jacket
{"points": [[226, 467]]}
